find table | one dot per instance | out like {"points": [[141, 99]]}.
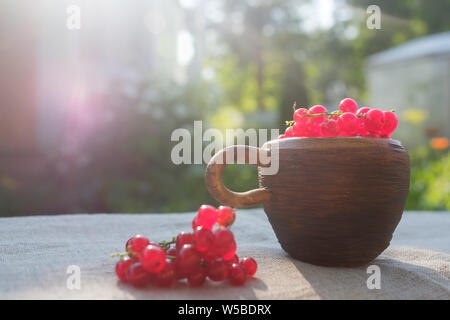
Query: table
{"points": [[35, 253]]}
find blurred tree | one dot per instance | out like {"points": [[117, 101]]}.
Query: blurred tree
{"points": [[260, 69]]}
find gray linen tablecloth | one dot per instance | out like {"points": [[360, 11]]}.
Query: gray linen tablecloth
{"points": [[35, 253]]}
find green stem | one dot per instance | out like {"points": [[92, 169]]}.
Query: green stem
{"points": [[325, 114], [118, 254], [166, 244], [290, 123]]}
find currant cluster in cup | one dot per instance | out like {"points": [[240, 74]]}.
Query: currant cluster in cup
{"points": [[207, 252], [348, 121]]}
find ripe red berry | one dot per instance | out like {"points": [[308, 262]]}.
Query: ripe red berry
{"points": [[390, 122], [289, 132], [135, 246], [348, 105], [197, 278], [166, 277], [195, 223], [137, 276], [374, 120], [249, 265], [182, 239], [237, 275], [316, 110], [363, 110], [172, 251], [153, 259], [122, 267], [223, 242], [300, 115], [209, 255], [203, 239], [230, 253], [313, 130], [207, 216], [217, 270], [226, 216], [188, 261], [299, 129], [348, 122], [330, 128], [362, 131], [230, 262]]}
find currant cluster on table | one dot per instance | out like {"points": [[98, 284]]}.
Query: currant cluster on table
{"points": [[207, 252], [348, 121]]}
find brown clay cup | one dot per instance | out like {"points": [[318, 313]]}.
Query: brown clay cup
{"points": [[334, 201]]}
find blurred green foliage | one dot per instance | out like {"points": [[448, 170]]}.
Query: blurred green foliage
{"points": [[430, 180], [263, 68]]}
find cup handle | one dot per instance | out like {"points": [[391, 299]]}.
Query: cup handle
{"points": [[236, 154]]}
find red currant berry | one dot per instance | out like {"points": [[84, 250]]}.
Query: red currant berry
{"points": [[330, 128], [137, 276], [348, 105], [209, 255], [313, 130], [234, 259], [197, 278], [231, 252], [188, 261], [226, 216], [207, 216], [203, 239], [166, 277], [172, 252], [249, 265], [315, 110], [153, 259], [182, 239], [217, 270], [289, 133], [223, 242], [299, 129], [348, 122], [390, 123], [195, 223], [135, 246], [122, 267], [361, 126], [363, 110], [237, 275], [300, 116], [374, 120]]}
